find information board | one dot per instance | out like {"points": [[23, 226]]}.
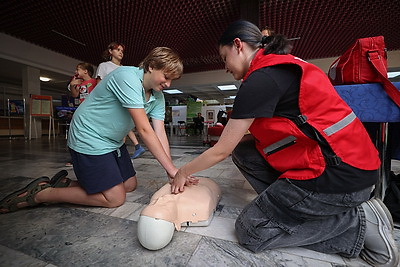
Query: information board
{"points": [[41, 105]]}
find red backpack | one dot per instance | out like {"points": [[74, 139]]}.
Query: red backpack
{"points": [[364, 62]]}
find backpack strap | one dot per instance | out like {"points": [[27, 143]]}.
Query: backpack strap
{"points": [[390, 89], [331, 159]]}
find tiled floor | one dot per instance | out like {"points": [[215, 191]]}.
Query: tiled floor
{"points": [[67, 235]]}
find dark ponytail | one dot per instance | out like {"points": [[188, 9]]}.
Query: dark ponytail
{"points": [[251, 34], [276, 44], [244, 30]]}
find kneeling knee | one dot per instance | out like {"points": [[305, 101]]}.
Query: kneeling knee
{"points": [[114, 200], [115, 203], [130, 188], [130, 184]]}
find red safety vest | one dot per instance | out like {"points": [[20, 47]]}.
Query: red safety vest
{"points": [[288, 149]]}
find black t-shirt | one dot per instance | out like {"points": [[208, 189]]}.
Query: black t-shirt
{"points": [[274, 91]]}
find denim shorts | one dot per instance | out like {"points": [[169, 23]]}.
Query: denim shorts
{"points": [[97, 173]]}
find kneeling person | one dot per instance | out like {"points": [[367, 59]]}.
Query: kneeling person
{"points": [[123, 100]]}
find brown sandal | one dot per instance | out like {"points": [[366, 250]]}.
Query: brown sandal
{"points": [[60, 179], [10, 202]]}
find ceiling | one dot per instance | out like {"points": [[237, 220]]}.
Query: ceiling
{"points": [[82, 29]]}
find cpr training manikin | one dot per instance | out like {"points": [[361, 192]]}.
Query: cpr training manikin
{"points": [[166, 212]]}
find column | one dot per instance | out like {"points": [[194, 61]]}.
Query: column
{"points": [[30, 85]]}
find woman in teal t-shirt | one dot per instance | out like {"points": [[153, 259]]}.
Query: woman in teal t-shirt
{"points": [[126, 98]]}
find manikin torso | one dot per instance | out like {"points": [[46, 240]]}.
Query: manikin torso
{"points": [[167, 212]]}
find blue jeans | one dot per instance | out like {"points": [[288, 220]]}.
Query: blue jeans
{"points": [[286, 215]]}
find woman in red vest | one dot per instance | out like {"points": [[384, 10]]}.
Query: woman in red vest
{"points": [[307, 155]]}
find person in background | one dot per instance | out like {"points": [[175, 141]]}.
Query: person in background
{"points": [[198, 124], [128, 97], [308, 156], [82, 82], [81, 85], [222, 117], [267, 31], [113, 56]]}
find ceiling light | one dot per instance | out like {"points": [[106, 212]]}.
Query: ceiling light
{"points": [[211, 101], [44, 79], [393, 74], [227, 87], [172, 91]]}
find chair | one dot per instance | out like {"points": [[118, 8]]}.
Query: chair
{"points": [[63, 123], [214, 133], [181, 128]]}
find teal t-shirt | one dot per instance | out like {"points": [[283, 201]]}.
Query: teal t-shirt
{"points": [[101, 122]]}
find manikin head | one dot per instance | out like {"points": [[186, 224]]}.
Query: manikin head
{"points": [[167, 212]]}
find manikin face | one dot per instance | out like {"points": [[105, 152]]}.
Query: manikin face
{"points": [[117, 53], [159, 79], [234, 60]]}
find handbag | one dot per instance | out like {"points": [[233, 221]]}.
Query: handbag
{"points": [[364, 62]]}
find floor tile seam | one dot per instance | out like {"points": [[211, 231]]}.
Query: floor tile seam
{"points": [[183, 229], [19, 252], [136, 221], [285, 251], [215, 238], [187, 230]]}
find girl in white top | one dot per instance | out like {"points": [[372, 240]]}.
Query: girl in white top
{"points": [[114, 54]]}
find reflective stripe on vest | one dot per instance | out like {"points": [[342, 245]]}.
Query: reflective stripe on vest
{"points": [[281, 144], [340, 124]]}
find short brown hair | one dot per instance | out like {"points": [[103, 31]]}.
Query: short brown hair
{"points": [[88, 67], [267, 31], [163, 58]]}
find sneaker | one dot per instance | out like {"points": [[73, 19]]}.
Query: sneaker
{"points": [[138, 152], [379, 246], [68, 164]]}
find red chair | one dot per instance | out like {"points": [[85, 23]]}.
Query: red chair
{"points": [[214, 133]]}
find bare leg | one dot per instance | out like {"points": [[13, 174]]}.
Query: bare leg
{"points": [[139, 150], [110, 198], [130, 184], [133, 138]]}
